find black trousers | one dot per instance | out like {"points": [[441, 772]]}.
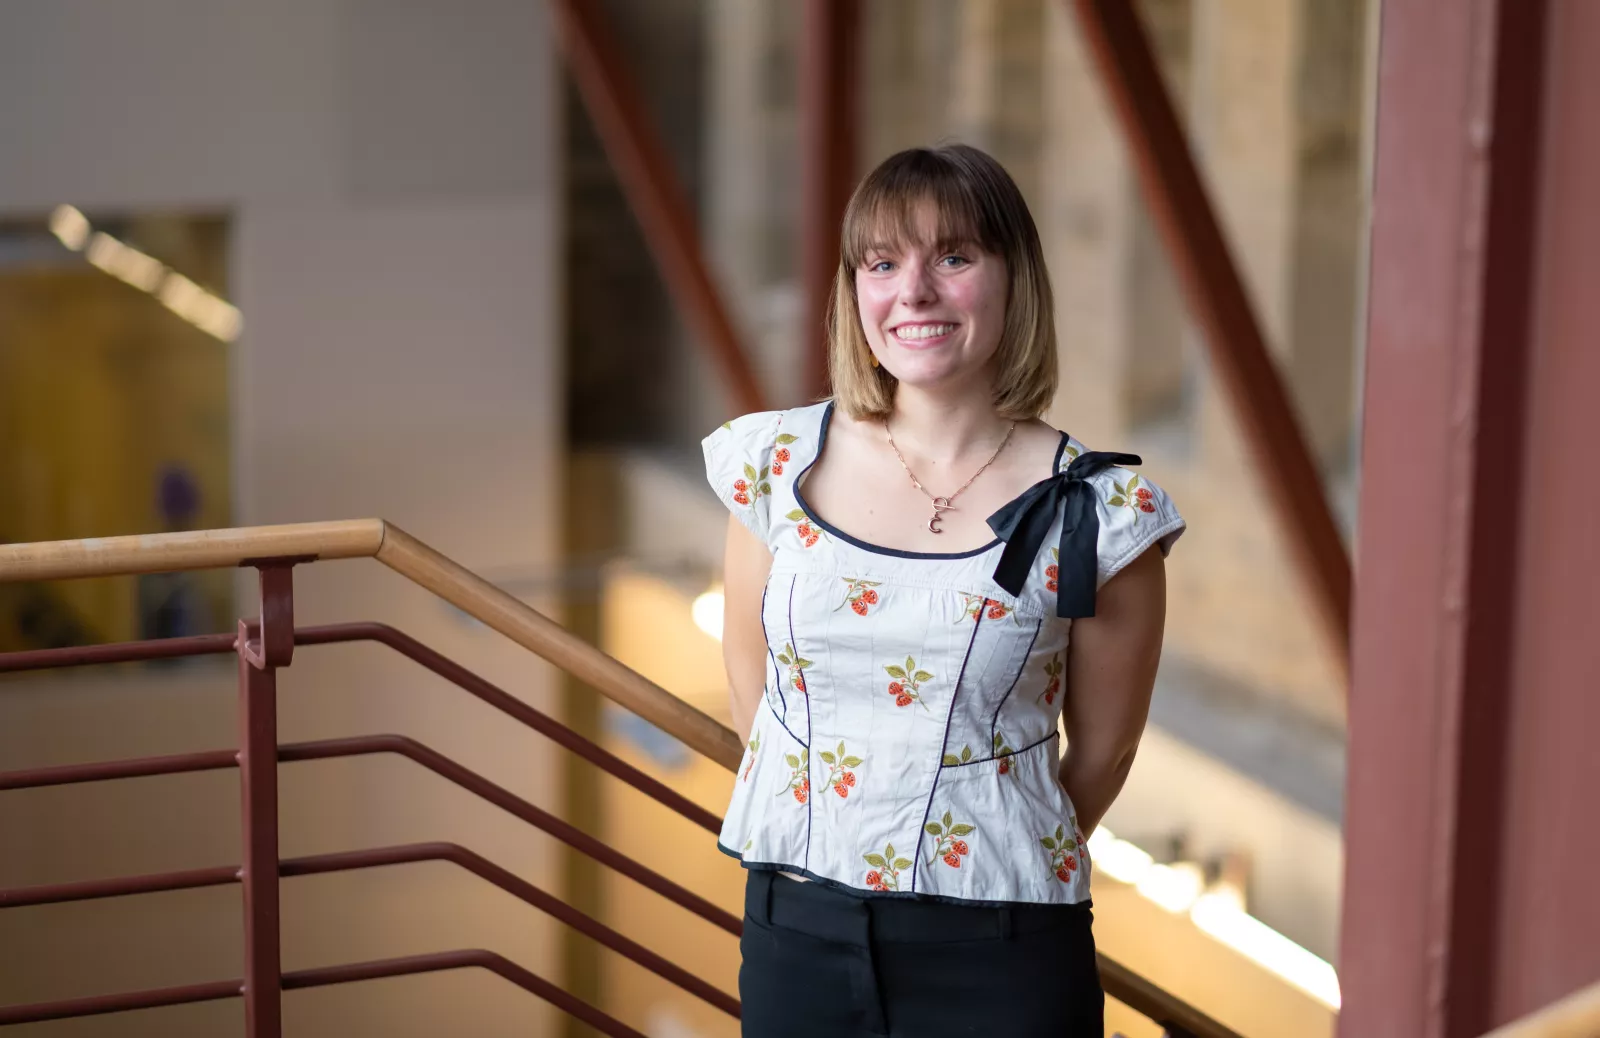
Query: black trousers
{"points": [[821, 963]]}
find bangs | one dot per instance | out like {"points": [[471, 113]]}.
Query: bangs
{"points": [[887, 210]]}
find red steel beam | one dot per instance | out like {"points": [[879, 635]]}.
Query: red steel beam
{"points": [[658, 201], [1217, 298], [828, 130], [1457, 330]]}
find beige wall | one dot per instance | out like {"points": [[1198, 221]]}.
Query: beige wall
{"points": [[390, 173]]}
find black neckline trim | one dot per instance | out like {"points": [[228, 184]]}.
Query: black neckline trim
{"points": [[878, 549]]}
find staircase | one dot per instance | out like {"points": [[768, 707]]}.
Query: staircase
{"points": [[267, 643]]}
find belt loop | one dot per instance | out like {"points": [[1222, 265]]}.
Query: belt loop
{"points": [[758, 896], [1005, 924]]}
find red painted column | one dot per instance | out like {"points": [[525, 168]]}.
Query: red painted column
{"points": [[1450, 926]]}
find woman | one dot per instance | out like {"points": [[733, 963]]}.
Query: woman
{"points": [[921, 578]]}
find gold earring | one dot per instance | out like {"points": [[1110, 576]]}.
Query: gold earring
{"points": [[874, 357]]}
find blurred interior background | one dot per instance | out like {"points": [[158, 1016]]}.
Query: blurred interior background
{"points": [[319, 259]]}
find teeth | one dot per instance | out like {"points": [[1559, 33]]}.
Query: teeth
{"points": [[924, 331]]}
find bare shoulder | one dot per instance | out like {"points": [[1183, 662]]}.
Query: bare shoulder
{"points": [[1032, 453]]}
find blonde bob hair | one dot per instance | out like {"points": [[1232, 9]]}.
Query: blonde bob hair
{"points": [[976, 203]]}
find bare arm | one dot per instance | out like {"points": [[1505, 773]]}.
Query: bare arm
{"points": [[746, 564], [1111, 670]]}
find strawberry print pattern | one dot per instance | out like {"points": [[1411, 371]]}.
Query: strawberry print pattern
{"points": [[1053, 668], [885, 874], [804, 529], [1133, 496], [1052, 572], [840, 777], [799, 776], [859, 595], [948, 845], [755, 748], [797, 665], [780, 452], [753, 485], [1064, 850], [974, 605], [907, 682], [1003, 754]]}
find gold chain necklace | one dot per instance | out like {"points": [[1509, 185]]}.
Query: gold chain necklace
{"points": [[943, 504]]}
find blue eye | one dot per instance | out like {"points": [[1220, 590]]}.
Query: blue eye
{"points": [[880, 267], [959, 260]]}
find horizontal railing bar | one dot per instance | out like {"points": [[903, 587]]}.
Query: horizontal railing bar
{"points": [[122, 886], [409, 966], [405, 747], [522, 889], [101, 771], [513, 804], [378, 857], [414, 964], [399, 641], [99, 1005], [117, 652], [512, 707]]}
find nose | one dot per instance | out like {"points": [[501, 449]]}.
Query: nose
{"points": [[917, 285]]}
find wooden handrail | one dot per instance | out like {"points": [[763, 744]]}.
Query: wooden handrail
{"points": [[470, 593], [199, 549], [403, 553], [1576, 1016]]}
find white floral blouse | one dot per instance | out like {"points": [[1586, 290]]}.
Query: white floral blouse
{"points": [[908, 742]]}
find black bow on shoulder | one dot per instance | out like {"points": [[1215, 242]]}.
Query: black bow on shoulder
{"points": [[1025, 522]]}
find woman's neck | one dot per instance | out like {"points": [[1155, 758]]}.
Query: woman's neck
{"points": [[946, 426]]}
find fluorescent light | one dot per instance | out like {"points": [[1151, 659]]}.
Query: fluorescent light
{"points": [[201, 308], [1118, 859], [1173, 887], [71, 226], [707, 613], [125, 262], [1218, 916]]}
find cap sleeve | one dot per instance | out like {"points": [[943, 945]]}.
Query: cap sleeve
{"points": [[1134, 514], [739, 466]]}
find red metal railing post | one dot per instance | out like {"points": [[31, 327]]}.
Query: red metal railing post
{"points": [[263, 645]]}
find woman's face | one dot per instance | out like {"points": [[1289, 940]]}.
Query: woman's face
{"points": [[932, 312]]}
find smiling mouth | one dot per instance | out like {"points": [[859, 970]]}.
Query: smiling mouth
{"points": [[922, 332]]}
